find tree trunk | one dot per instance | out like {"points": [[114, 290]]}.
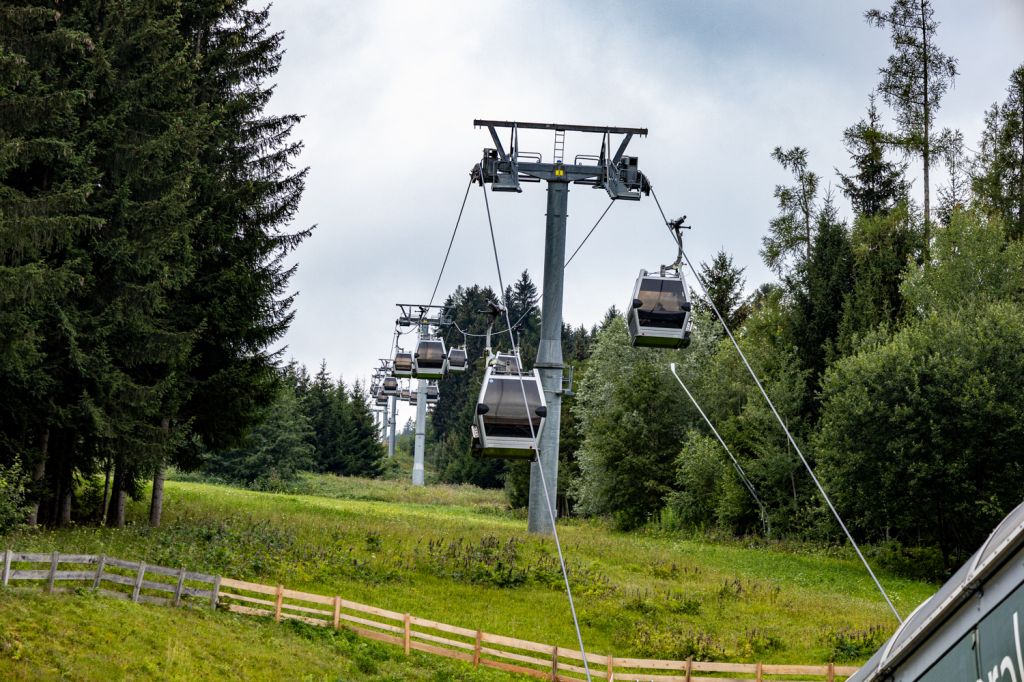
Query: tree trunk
{"points": [[65, 508], [115, 513], [121, 498], [927, 140], [37, 476], [106, 492], [156, 504]]}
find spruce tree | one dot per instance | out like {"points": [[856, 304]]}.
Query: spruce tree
{"points": [[724, 283], [877, 185], [362, 451], [247, 192], [45, 182]]}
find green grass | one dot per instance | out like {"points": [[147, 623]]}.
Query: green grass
{"points": [[89, 637], [454, 554]]}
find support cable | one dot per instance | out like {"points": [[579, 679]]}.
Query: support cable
{"points": [[533, 436], [735, 462], [458, 220], [541, 297], [782, 423]]}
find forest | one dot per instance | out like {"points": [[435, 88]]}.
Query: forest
{"points": [[146, 209]]}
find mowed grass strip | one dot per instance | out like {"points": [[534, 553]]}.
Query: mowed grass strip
{"points": [[90, 637], [457, 557]]}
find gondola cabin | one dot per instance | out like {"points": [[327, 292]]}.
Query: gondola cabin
{"points": [[659, 315], [457, 360], [382, 398], [403, 364], [390, 386], [430, 361], [506, 425], [414, 398], [433, 393], [404, 395]]}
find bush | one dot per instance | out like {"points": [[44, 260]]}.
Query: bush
{"points": [[13, 496]]}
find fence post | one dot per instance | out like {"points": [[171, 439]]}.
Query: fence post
{"points": [[760, 672], [476, 649], [689, 669], [215, 593], [611, 668], [138, 581], [101, 562], [831, 672], [278, 602], [53, 571], [177, 588], [554, 664], [7, 566], [408, 634], [337, 613]]}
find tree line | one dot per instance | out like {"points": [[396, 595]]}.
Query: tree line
{"points": [[145, 203]]}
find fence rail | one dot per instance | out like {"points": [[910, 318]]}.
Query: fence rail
{"points": [[139, 582]]}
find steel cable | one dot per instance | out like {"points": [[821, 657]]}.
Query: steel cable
{"points": [[782, 423]]}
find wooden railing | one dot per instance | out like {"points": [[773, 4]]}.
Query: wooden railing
{"points": [[140, 582]]}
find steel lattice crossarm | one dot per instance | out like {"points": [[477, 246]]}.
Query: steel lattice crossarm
{"points": [[616, 173]]}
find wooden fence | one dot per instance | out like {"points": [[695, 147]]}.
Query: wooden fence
{"points": [[139, 582]]}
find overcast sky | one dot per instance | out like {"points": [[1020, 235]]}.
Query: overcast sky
{"points": [[389, 91]]}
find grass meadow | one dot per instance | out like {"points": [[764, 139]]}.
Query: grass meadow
{"points": [[456, 554]]}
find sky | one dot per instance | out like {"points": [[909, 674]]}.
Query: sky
{"points": [[390, 89]]}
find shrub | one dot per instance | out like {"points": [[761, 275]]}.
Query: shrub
{"points": [[13, 496]]}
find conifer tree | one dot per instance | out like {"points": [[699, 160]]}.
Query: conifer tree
{"points": [[877, 185], [362, 450], [247, 192], [998, 180], [724, 283], [790, 232], [45, 182], [914, 80]]}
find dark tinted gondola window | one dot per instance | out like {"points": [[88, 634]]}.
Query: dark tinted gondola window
{"points": [[664, 303], [430, 353], [507, 416]]}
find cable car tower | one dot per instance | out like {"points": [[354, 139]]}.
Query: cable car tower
{"points": [[429, 361], [621, 178]]}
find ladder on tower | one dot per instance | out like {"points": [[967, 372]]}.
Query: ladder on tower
{"points": [[559, 146]]}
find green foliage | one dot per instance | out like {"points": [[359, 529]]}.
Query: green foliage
{"points": [[13, 494], [914, 80], [878, 185], [883, 245], [630, 411], [998, 179], [919, 439], [788, 242], [724, 283], [709, 493], [848, 644], [675, 644], [972, 264], [274, 452], [827, 276]]}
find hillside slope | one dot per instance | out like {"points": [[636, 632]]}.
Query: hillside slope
{"points": [[458, 557]]}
